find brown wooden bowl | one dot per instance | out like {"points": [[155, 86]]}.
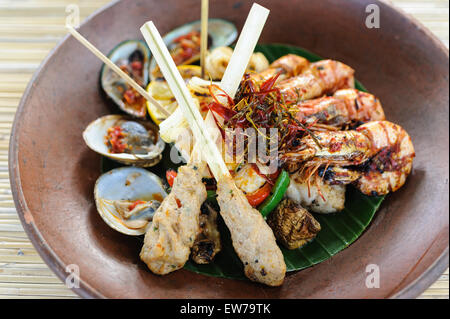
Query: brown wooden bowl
{"points": [[53, 172]]}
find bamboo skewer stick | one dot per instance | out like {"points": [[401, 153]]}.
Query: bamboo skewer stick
{"points": [[204, 36], [117, 70]]}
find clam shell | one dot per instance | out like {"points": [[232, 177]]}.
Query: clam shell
{"points": [[125, 183], [122, 51], [94, 136]]}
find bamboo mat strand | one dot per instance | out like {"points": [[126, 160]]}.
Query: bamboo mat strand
{"points": [[29, 29]]}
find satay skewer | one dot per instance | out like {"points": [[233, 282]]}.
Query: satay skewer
{"points": [[253, 240]]}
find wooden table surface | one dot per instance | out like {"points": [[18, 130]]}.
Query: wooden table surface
{"points": [[29, 29]]}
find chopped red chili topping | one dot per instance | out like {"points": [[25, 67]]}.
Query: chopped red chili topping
{"points": [[170, 176], [134, 204], [136, 65], [133, 99], [114, 139], [130, 96], [188, 45]]}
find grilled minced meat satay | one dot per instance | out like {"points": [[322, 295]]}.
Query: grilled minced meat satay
{"points": [[253, 240], [175, 225]]}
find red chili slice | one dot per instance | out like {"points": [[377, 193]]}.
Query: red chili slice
{"points": [[258, 196], [170, 176], [134, 204]]}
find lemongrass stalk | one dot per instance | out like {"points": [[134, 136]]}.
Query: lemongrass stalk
{"points": [[170, 127], [244, 49]]}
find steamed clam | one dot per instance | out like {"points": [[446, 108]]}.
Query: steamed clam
{"points": [[184, 42], [127, 197], [128, 141], [133, 58]]}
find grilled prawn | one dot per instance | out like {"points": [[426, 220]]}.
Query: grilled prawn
{"points": [[341, 148], [384, 172], [345, 107], [388, 169], [322, 77], [288, 65], [380, 154]]}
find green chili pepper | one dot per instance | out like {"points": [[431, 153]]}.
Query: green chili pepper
{"points": [[277, 193], [211, 195]]}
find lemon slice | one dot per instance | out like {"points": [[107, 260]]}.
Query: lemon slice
{"points": [[160, 91]]}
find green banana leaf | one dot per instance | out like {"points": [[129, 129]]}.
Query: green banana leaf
{"points": [[338, 230]]}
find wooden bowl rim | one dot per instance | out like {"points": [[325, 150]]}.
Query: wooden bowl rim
{"points": [[412, 290]]}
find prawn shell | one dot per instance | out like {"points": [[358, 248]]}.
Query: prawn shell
{"points": [[390, 137]]}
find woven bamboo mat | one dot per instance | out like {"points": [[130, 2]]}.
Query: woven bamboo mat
{"points": [[28, 30]]}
